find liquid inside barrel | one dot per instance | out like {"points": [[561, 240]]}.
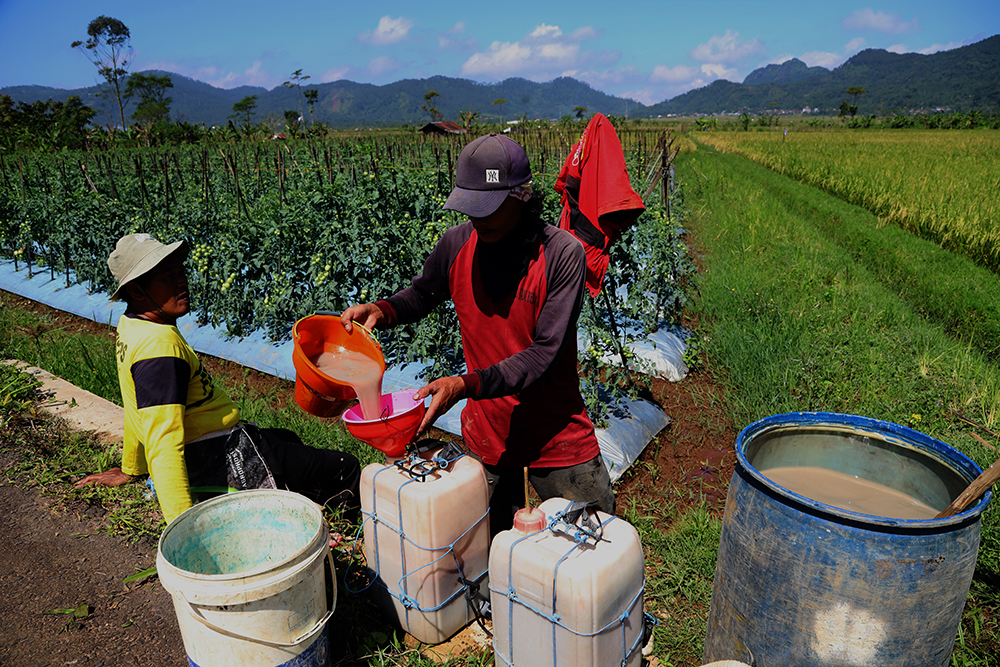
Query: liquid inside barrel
{"points": [[829, 554]]}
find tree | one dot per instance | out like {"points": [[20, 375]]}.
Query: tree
{"points": [[296, 82], [243, 110], [500, 101], [429, 106], [292, 122], [312, 96], [153, 103], [580, 112], [109, 47], [46, 125], [856, 91], [468, 119]]}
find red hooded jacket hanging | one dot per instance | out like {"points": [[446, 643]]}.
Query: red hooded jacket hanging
{"points": [[598, 201]]}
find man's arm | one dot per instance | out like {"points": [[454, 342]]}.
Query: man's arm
{"points": [[431, 287], [112, 477], [133, 464], [161, 393]]}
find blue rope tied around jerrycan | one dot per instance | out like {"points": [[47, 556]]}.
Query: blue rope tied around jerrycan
{"points": [[590, 532], [418, 468]]}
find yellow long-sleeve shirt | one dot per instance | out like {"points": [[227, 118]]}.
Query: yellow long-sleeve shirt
{"points": [[170, 400]]}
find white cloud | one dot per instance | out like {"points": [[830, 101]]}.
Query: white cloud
{"points": [[451, 39], [501, 58], [648, 96], [879, 21], [586, 32], [716, 71], [717, 58], [672, 81], [831, 60], [334, 74], [389, 31], [728, 48], [822, 59], [854, 45], [673, 75], [255, 75], [544, 53], [934, 48], [543, 31], [381, 66]]}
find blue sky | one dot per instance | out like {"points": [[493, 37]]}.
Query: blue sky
{"points": [[649, 51]]}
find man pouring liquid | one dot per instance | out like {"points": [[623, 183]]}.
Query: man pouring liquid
{"points": [[517, 284]]}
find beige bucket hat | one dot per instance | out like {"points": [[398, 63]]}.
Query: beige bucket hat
{"points": [[138, 254]]}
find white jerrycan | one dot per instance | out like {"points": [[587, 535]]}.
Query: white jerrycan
{"points": [[426, 532], [566, 589]]}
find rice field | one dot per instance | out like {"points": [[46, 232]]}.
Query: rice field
{"points": [[941, 185]]}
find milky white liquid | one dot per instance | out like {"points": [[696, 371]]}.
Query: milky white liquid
{"points": [[849, 492], [363, 373]]}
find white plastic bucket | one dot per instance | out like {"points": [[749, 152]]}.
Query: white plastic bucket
{"points": [[247, 576]]}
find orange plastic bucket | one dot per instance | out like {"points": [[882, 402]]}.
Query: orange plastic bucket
{"points": [[316, 392]]}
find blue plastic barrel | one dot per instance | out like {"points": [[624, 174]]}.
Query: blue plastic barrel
{"points": [[800, 582]]}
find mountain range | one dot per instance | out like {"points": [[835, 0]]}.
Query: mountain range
{"points": [[960, 79]]}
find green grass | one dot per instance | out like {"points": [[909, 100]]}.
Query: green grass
{"points": [[49, 457], [85, 360], [680, 548], [807, 304]]}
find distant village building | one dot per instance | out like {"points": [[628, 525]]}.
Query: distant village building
{"points": [[443, 127]]}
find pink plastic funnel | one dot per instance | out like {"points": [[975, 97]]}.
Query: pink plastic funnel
{"points": [[398, 422]]}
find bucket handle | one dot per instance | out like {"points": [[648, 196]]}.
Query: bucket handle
{"points": [[326, 617]]}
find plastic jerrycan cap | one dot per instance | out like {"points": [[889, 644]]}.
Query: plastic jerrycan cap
{"points": [[529, 520]]}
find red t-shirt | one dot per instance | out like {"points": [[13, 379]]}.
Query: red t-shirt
{"points": [[599, 203], [519, 339]]}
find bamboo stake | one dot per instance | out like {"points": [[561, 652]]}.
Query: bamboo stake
{"points": [[527, 504], [83, 168], [978, 487]]}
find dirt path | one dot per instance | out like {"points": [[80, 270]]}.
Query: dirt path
{"points": [[46, 563], [59, 560]]}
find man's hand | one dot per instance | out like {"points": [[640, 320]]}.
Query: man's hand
{"points": [[445, 392], [368, 314], [113, 477]]}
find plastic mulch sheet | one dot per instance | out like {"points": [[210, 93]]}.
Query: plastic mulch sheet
{"points": [[631, 427]]}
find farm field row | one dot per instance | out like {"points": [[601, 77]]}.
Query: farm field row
{"points": [[943, 186], [281, 231], [798, 316]]}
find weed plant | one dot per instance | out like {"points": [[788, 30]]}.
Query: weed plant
{"points": [[43, 453], [807, 306], [86, 361]]}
